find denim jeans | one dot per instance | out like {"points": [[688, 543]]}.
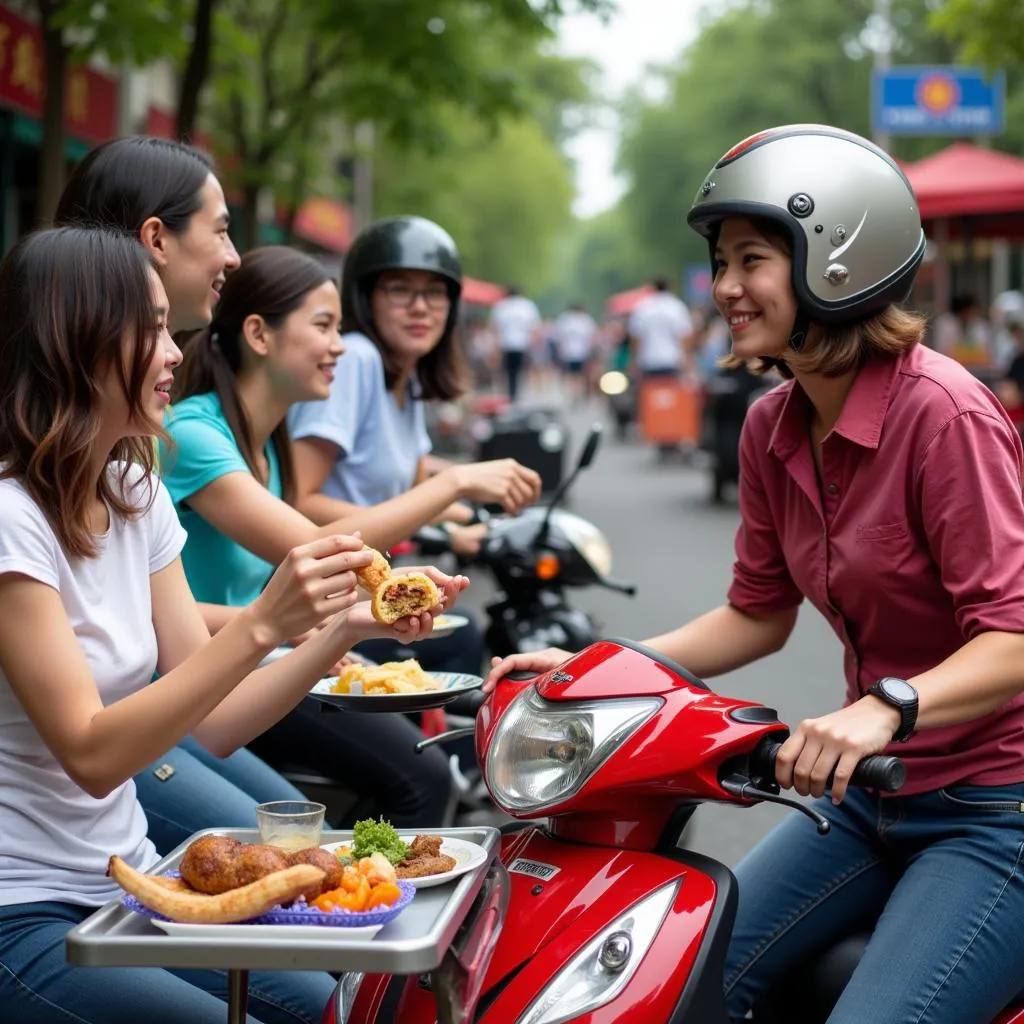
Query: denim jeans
{"points": [[938, 876], [206, 792], [38, 986]]}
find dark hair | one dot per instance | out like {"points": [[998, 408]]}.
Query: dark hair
{"points": [[272, 282], [73, 304], [442, 371], [660, 283], [835, 349], [124, 182]]}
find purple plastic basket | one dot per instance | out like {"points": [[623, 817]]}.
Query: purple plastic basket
{"points": [[301, 913]]}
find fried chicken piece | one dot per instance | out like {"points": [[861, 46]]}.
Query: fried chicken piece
{"points": [[420, 867], [255, 861], [208, 864], [327, 863], [424, 846]]}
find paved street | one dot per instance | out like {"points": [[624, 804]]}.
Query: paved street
{"points": [[677, 547]]}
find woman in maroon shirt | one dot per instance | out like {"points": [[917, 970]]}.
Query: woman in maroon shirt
{"points": [[882, 482]]}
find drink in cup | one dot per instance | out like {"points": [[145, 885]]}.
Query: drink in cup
{"points": [[290, 825]]}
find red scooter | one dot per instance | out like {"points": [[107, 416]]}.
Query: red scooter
{"points": [[595, 914]]}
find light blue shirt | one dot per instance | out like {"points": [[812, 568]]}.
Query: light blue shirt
{"points": [[219, 571], [381, 444]]}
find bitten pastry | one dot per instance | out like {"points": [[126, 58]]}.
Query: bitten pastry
{"points": [[374, 574], [399, 596]]}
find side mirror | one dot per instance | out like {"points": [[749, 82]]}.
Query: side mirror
{"points": [[590, 448]]}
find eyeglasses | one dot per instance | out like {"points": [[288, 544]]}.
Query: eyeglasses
{"points": [[402, 296]]}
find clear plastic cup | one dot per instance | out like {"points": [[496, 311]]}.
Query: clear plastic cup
{"points": [[291, 824]]}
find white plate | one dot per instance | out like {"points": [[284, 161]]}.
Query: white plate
{"points": [[451, 685], [467, 856], [445, 625], [268, 931]]}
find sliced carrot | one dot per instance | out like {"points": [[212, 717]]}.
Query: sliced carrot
{"points": [[383, 895]]}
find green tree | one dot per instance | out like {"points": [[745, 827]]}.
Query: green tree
{"points": [[286, 71], [990, 32], [76, 30]]}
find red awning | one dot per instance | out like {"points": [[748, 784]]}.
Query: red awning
{"points": [[966, 181], [326, 222], [623, 303], [481, 293]]}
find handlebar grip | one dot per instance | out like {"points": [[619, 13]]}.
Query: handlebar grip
{"points": [[880, 771], [876, 771], [520, 675], [467, 704]]}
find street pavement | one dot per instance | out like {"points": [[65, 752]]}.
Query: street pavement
{"points": [[677, 547]]}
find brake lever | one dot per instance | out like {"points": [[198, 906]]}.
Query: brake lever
{"points": [[744, 788]]}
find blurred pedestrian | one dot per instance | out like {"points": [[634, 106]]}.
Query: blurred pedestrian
{"points": [[516, 320], [574, 333]]}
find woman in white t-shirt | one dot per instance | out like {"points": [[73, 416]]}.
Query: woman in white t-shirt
{"points": [[95, 602]]}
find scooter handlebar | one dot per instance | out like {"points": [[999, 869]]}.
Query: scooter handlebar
{"points": [[877, 771]]}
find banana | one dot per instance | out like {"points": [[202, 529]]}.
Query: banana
{"points": [[233, 905]]}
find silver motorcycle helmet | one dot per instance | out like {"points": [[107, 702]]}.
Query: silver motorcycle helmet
{"points": [[848, 208]]}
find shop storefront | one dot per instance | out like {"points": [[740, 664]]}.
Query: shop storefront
{"points": [[90, 117]]}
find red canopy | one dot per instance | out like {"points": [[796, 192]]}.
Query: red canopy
{"points": [[481, 293], [965, 181], [623, 303]]}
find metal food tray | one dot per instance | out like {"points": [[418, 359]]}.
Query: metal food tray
{"points": [[415, 942]]}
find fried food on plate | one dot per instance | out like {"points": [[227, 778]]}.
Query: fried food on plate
{"points": [[390, 677], [373, 575], [425, 858], [400, 596], [217, 864], [225, 908]]}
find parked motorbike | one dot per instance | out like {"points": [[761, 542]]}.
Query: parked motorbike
{"points": [[728, 396], [621, 392], [534, 558], [595, 914]]}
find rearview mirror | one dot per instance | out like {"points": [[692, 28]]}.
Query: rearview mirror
{"points": [[590, 448]]}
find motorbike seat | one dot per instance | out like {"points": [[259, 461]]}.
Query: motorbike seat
{"points": [[816, 989]]}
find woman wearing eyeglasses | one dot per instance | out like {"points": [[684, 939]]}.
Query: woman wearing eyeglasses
{"points": [[368, 443]]}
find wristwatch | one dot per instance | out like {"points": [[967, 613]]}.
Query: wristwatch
{"points": [[898, 693]]}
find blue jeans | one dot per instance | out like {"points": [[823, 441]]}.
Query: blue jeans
{"points": [[206, 792], [38, 986], [938, 876]]}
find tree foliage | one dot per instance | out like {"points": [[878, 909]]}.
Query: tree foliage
{"points": [[761, 63], [286, 71], [989, 32]]}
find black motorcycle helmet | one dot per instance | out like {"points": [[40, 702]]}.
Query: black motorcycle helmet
{"points": [[397, 243]]}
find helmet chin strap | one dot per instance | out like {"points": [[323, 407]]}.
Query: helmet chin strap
{"points": [[801, 325]]}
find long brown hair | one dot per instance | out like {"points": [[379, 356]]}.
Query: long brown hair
{"points": [[835, 349], [74, 303], [272, 282]]}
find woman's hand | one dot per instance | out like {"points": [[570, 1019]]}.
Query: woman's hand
{"points": [[466, 540], [449, 586], [532, 661], [361, 625], [838, 741], [314, 582], [500, 481]]}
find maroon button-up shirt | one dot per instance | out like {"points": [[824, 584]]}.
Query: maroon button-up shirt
{"points": [[912, 545]]}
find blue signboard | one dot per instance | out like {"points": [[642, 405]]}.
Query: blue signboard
{"points": [[697, 284], [940, 100]]}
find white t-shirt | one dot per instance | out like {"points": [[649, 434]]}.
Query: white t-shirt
{"points": [[574, 335], [55, 839], [514, 319], [381, 442], [659, 324]]}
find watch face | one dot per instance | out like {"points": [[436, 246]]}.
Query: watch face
{"points": [[898, 689]]}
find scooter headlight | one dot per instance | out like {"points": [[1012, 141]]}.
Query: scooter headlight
{"points": [[588, 540], [542, 753], [605, 965]]}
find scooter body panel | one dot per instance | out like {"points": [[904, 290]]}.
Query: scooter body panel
{"points": [[563, 896]]}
